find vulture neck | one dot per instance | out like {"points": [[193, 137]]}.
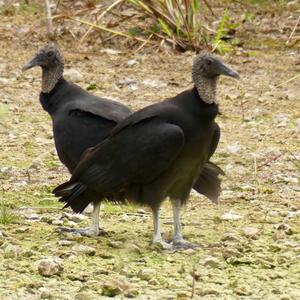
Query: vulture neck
{"points": [[50, 77], [206, 87]]}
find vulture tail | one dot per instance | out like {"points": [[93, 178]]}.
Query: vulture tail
{"points": [[208, 182], [74, 195]]}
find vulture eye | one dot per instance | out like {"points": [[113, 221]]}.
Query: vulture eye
{"points": [[50, 53], [209, 62]]}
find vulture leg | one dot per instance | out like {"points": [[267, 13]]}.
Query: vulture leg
{"points": [[93, 229], [157, 238], [178, 241]]}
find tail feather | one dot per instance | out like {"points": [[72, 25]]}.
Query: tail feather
{"points": [[208, 182], [74, 195]]}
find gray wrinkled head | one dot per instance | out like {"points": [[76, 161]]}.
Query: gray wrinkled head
{"points": [[51, 60], [210, 66], [205, 72], [46, 57]]}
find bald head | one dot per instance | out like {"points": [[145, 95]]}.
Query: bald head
{"points": [[46, 57], [205, 72], [51, 60]]}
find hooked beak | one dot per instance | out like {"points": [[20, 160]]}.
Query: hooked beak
{"points": [[34, 62], [225, 70]]}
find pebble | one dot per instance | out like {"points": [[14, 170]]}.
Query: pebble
{"points": [[50, 266], [211, 262], [147, 274], [233, 148], [189, 251], [85, 250], [116, 244], [73, 75], [4, 81], [57, 222], [281, 119], [71, 224], [21, 230], [250, 231], [111, 289], [78, 218], [131, 62], [231, 216], [64, 243], [45, 293], [12, 251], [84, 296]]}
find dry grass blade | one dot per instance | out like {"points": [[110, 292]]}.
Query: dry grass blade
{"points": [[109, 8], [289, 80], [103, 28], [293, 31]]}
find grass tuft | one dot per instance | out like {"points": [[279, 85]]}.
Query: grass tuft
{"points": [[6, 215]]}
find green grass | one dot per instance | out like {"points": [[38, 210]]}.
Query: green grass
{"points": [[6, 215]]}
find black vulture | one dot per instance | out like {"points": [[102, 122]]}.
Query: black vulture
{"points": [[156, 153], [80, 120]]}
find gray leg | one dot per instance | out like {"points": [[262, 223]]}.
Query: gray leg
{"points": [[157, 239], [93, 229], [178, 241]]}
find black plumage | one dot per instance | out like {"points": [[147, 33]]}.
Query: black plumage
{"points": [[80, 120], [157, 152]]}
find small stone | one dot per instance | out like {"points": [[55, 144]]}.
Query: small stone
{"points": [[233, 148], [230, 237], [281, 119], [131, 293], [231, 216], [12, 251], [250, 231], [50, 266], [211, 262], [141, 211], [78, 218], [64, 243], [45, 293], [131, 62], [85, 250], [71, 224], [21, 230], [243, 291], [230, 252], [32, 217], [111, 289], [4, 81], [153, 281], [116, 244], [73, 75], [189, 251], [147, 274], [57, 222]]}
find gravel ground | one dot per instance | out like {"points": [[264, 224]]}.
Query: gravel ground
{"points": [[250, 240]]}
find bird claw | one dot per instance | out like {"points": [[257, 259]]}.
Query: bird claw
{"points": [[161, 244], [90, 232], [183, 244]]}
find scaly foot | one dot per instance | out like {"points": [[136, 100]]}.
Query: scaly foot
{"points": [[183, 244], [88, 231], [162, 244]]}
